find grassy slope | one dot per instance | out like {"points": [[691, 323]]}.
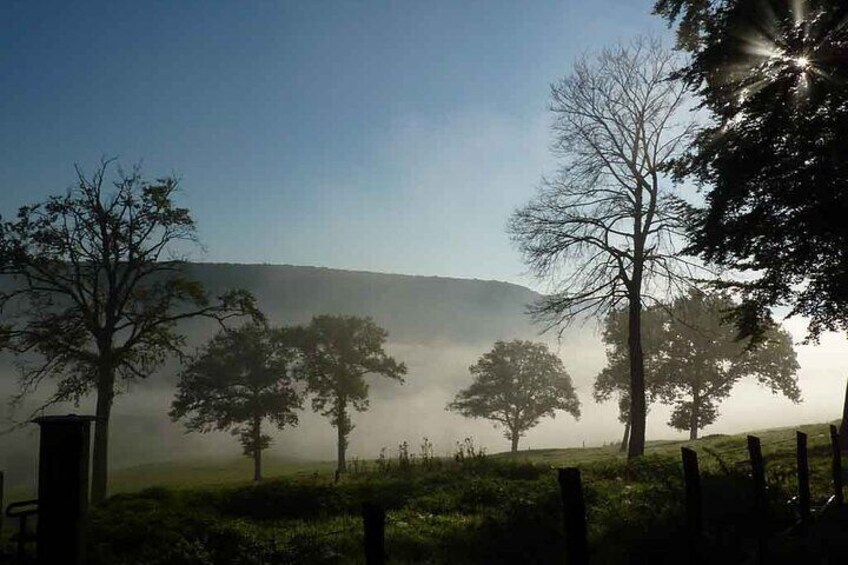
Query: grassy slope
{"points": [[777, 443], [195, 473], [503, 508]]}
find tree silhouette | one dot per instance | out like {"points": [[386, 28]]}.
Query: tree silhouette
{"points": [[97, 289], [700, 360], [614, 379], [773, 160], [516, 384], [604, 228], [337, 353], [693, 359], [238, 380]]}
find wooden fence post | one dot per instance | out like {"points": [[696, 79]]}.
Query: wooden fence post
{"points": [[843, 425], [2, 499], [758, 474], [374, 521], [803, 477], [694, 511], [837, 465], [574, 516]]}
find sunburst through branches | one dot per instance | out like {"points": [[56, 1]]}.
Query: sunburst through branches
{"points": [[790, 47]]}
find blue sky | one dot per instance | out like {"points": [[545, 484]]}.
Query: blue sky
{"points": [[386, 136]]}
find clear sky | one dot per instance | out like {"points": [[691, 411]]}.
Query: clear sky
{"points": [[386, 136]]}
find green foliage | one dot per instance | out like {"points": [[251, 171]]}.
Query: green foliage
{"points": [[97, 291], [504, 510], [700, 359], [614, 379], [239, 379], [693, 358], [691, 17], [772, 159], [516, 384], [337, 353]]}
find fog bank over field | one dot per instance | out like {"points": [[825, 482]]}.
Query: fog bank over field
{"points": [[438, 327]]}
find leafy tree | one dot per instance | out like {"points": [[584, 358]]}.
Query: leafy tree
{"points": [[516, 384], [337, 353], [238, 380], [693, 359], [700, 360], [773, 162], [97, 290], [614, 379], [604, 229]]}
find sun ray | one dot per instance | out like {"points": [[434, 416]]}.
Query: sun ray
{"points": [[799, 12]]}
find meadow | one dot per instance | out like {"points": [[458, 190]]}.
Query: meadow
{"points": [[471, 507]]}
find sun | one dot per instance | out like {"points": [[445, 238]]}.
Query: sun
{"points": [[801, 62]]}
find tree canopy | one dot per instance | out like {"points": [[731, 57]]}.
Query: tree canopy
{"points": [[693, 359], [772, 163], [700, 360], [239, 379], [516, 384], [337, 353], [97, 289]]}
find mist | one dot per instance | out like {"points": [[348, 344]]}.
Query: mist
{"points": [[438, 327]]}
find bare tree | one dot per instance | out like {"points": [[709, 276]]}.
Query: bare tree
{"points": [[97, 288], [604, 229]]}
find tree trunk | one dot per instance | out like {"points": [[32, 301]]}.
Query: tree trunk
{"points": [[342, 441], [100, 456], [623, 447], [843, 429], [257, 449], [636, 445], [341, 428], [515, 442], [693, 417]]}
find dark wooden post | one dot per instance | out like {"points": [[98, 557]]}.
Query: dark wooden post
{"points": [[803, 477], [837, 465], [62, 489], [843, 426], [694, 512], [758, 474], [2, 499], [574, 516], [374, 521]]}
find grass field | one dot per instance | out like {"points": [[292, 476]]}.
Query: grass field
{"points": [[472, 508], [777, 442]]}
